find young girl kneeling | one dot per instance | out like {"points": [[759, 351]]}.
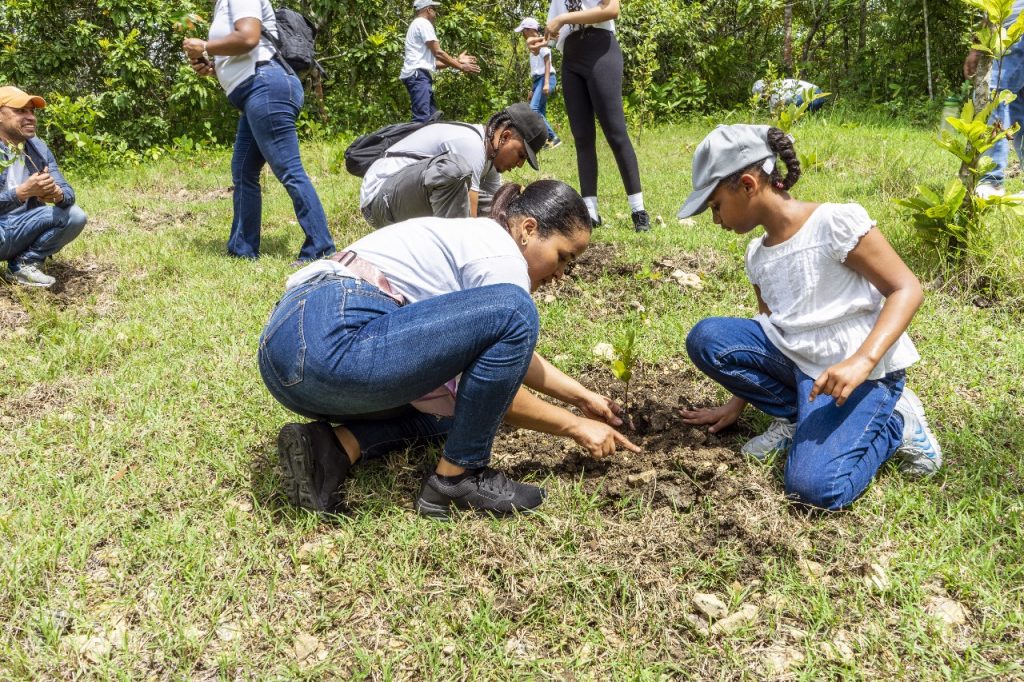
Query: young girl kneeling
{"points": [[827, 352]]}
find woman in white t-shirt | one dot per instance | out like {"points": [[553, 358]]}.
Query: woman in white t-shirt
{"points": [[592, 88], [270, 96], [827, 353], [376, 339]]}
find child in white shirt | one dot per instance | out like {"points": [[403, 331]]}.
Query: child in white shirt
{"points": [[541, 75], [827, 352]]}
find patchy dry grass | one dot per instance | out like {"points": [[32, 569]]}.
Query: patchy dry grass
{"points": [[144, 536]]}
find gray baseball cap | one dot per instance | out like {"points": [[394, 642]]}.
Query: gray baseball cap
{"points": [[724, 151], [417, 5]]}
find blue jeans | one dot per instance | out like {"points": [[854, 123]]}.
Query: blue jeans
{"points": [[270, 102], [421, 94], [836, 450], [30, 237], [1009, 75], [539, 101], [813, 106], [339, 349]]}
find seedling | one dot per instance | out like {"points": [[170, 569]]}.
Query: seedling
{"points": [[622, 363]]}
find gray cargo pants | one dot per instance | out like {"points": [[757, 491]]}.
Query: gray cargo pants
{"points": [[438, 186]]}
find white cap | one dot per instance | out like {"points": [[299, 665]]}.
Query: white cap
{"points": [[527, 22], [423, 4]]}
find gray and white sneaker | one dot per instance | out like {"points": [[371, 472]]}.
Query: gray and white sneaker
{"points": [[484, 490], [29, 275], [777, 438], [919, 454]]}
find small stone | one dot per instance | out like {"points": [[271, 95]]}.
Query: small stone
{"points": [[779, 661], [643, 478], [550, 298], [448, 650], [94, 649], [710, 605], [811, 569], [227, 632], [874, 577], [697, 623], [304, 646], [687, 222], [746, 615], [244, 505], [605, 351], [687, 279], [516, 647], [949, 612], [838, 648]]}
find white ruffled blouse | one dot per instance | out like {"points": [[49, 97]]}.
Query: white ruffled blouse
{"points": [[821, 310]]}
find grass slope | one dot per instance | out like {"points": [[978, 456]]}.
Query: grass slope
{"points": [[143, 538]]}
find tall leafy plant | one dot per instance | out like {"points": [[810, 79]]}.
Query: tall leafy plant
{"points": [[953, 219]]}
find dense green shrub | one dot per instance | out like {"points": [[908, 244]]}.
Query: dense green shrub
{"points": [[119, 86]]}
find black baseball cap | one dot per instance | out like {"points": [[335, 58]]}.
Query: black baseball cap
{"points": [[531, 126]]}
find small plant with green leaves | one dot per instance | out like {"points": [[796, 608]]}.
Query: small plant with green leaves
{"points": [[621, 358], [9, 155], [953, 219]]}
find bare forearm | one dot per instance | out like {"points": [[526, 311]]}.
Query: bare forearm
{"points": [[544, 377], [447, 60], [531, 412], [894, 319]]}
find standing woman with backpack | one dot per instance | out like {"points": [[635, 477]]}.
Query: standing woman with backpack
{"points": [[241, 52], [584, 30]]}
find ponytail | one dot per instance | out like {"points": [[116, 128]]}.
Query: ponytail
{"points": [[782, 144], [557, 207]]}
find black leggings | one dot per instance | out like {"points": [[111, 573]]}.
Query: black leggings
{"points": [[592, 85]]}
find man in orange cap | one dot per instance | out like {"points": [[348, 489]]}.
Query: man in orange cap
{"points": [[38, 215]]}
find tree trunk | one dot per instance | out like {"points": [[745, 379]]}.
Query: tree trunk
{"points": [[787, 44], [927, 49], [862, 35]]}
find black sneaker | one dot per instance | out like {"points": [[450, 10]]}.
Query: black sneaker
{"points": [[313, 466], [485, 490], [597, 222], [641, 221]]}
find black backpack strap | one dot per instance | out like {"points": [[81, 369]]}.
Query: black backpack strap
{"points": [[460, 123], [277, 50]]}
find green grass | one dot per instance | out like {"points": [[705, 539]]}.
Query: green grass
{"points": [[142, 535]]}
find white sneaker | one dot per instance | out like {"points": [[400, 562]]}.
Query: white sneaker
{"points": [[919, 454], [778, 438], [987, 190], [29, 275]]}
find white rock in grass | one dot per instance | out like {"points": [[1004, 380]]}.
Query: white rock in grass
{"points": [[93, 649], [687, 222], [875, 577], [304, 646], [448, 650], [949, 612], [710, 605], [550, 298], [605, 351], [687, 279], [838, 649], [746, 615], [811, 569], [227, 632], [780, 661], [697, 623]]}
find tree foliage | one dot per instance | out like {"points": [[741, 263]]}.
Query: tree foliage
{"points": [[118, 83]]}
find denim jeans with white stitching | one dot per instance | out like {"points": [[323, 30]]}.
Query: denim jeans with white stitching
{"points": [[339, 349], [836, 451]]}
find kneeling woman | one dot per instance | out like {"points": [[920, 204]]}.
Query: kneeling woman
{"points": [[366, 338]]}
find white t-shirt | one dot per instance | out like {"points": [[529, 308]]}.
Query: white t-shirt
{"points": [[427, 257], [428, 141], [788, 89], [233, 70], [562, 6], [821, 310], [417, 54], [537, 66], [17, 173]]}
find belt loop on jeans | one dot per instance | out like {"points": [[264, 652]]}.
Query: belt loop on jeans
{"points": [[368, 272]]}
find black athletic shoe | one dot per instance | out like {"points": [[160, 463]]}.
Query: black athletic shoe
{"points": [[484, 490], [641, 221], [313, 466]]}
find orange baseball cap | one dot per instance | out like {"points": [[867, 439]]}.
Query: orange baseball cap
{"points": [[11, 96]]}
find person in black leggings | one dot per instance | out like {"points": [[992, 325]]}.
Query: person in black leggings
{"points": [[592, 87]]}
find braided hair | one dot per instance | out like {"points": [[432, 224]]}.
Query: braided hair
{"points": [[496, 124], [556, 207], [782, 145]]}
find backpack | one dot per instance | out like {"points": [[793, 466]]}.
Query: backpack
{"points": [[294, 41], [366, 149]]}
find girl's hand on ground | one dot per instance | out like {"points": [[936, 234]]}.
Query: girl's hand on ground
{"points": [[715, 418], [596, 406], [599, 439], [840, 380]]}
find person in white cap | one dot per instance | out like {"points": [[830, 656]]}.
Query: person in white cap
{"points": [[788, 91], [541, 75], [422, 52], [38, 214], [827, 353]]}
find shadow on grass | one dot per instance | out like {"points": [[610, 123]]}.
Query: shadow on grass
{"points": [[274, 245]]}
